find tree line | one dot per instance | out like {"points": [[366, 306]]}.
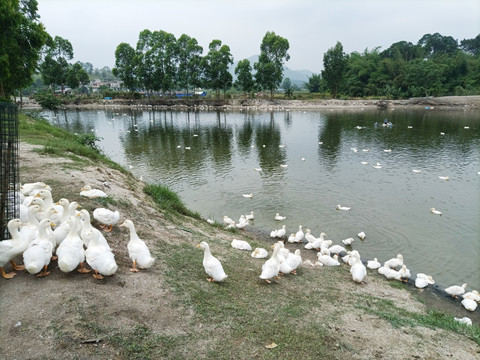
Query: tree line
{"points": [[436, 66]]}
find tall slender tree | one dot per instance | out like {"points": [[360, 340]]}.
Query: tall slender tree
{"points": [[125, 66], [334, 66], [244, 81], [273, 55], [189, 61], [216, 64]]}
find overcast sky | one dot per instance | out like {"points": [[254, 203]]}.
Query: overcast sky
{"points": [[96, 27]]}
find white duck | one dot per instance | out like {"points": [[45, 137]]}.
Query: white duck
{"points": [[343, 208], [259, 253], [405, 273], [294, 260], [373, 264], [271, 267], [282, 254], [137, 249], [30, 231], [317, 243], [213, 267], [39, 253], [469, 304], [291, 238], [279, 217], [249, 196], [309, 237], [435, 211], [100, 257], [243, 222], [473, 295], [348, 241], [87, 191], [228, 221], [88, 232], [324, 257], [456, 290], [250, 216], [395, 262], [106, 217], [62, 229], [9, 249], [336, 249], [70, 252], [358, 270], [299, 235], [31, 188], [241, 245], [390, 274], [361, 235], [278, 233]]}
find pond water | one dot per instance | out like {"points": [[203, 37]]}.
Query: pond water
{"points": [[209, 159]]}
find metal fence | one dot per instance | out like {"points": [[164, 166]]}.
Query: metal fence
{"points": [[9, 175]]}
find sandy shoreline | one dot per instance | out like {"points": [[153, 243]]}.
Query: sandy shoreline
{"points": [[461, 103]]}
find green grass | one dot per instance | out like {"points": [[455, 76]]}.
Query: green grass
{"points": [[168, 200], [399, 317]]}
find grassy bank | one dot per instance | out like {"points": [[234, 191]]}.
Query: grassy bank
{"points": [[172, 312]]}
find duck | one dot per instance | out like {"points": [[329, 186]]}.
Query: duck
{"points": [[279, 217], [395, 262], [377, 165], [294, 260], [213, 267], [250, 216], [249, 196], [285, 267], [106, 217], [278, 233], [241, 245], [317, 243], [309, 237], [228, 221], [373, 264], [28, 189], [299, 235], [137, 249], [100, 257], [348, 241], [271, 267], [324, 257], [343, 208], [417, 171], [88, 232], [465, 320], [358, 270], [469, 304], [291, 238], [429, 278], [39, 253], [422, 280], [62, 229], [404, 273], [444, 178], [9, 249], [259, 253], [32, 226], [435, 211], [361, 235], [456, 290], [336, 249], [90, 193], [474, 295], [70, 252], [389, 273]]}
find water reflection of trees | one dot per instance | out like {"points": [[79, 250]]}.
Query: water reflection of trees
{"points": [[267, 141]]}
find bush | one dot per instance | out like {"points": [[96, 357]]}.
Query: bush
{"points": [[48, 101]]}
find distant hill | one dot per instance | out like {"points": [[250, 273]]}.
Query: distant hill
{"points": [[297, 77]]}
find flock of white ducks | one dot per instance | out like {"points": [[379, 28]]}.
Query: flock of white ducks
{"points": [[48, 231], [328, 254]]}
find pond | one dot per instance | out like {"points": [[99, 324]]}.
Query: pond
{"points": [[329, 158]]}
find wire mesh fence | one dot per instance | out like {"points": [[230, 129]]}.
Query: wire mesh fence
{"points": [[9, 175]]}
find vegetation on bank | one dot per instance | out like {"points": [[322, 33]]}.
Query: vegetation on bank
{"points": [[237, 318]]}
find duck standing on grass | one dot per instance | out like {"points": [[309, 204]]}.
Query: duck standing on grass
{"points": [[106, 217], [137, 249], [213, 267]]}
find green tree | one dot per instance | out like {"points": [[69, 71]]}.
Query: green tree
{"points": [[164, 52], [21, 40], [426, 75], [216, 64], [334, 65], [436, 44], [76, 76], [314, 83], [125, 66], [55, 65], [244, 81], [145, 61], [189, 56], [269, 68], [471, 46]]}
